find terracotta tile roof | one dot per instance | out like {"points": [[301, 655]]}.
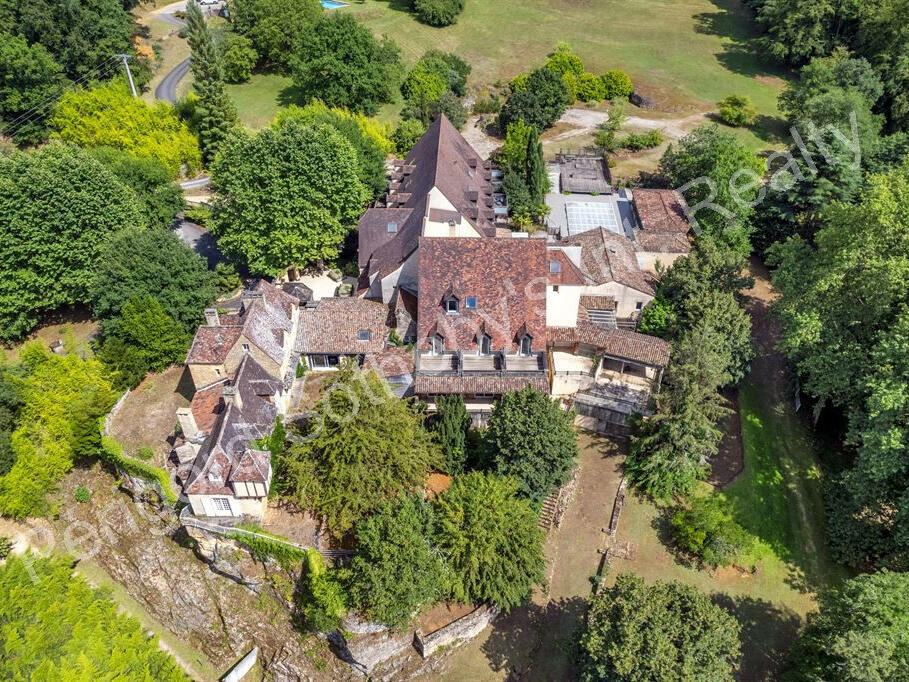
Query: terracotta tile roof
{"points": [[620, 343], [496, 385], [598, 302], [507, 279], [609, 257], [442, 158], [393, 361], [664, 223], [249, 417], [265, 319], [206, 406], [253, 465], [569, 274], [333, 325]]}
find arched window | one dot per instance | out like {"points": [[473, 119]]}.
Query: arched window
{"points": [[525, 344]]}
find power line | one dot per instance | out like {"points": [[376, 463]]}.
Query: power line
{"points": [[101, 71]]}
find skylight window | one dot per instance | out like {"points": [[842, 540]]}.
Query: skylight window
{"points": [[555, 267], [470, 302], [364, 335], [392, 228]]}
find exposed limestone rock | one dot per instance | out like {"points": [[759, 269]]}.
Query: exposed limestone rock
{"points": [[227, 558]]}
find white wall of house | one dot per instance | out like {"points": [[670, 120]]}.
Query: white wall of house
{"points": [[626, 297], [214, 505], [562, 305], [437, 200], [405, 276]]}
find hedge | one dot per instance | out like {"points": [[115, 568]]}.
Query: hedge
{"points": [[112, 452]]}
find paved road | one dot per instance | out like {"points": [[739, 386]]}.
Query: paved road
{"points": [[199, 240], [196, 183], [167, 88]]}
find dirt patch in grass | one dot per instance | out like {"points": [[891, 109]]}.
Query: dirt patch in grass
{"points": [[148, 415], [73, 326], [441, 615]]}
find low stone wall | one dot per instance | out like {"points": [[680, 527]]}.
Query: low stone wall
{"points": [[109, 417], [464, 628]]}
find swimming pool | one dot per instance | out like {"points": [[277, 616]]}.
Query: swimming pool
{"points": [[332, 4]]}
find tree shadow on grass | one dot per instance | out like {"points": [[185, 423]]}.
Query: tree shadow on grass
{"points": [[663, 527], [768, 631], [292, 94], [740, 53], [536, 641]]}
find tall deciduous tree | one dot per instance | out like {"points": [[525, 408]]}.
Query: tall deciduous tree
{"points": [[859, 633], [285, 196], [539, 100], [155, 263], [396, 570], [663, 632], [29, 77], [217, 115], [713, 162], [58, 207], [533, 440], [339, 61], [274, 26], [362, 446], [490, 539]]}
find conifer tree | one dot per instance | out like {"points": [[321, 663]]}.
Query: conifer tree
{"points": [[451, 425], [535, 169], [216, 111]]}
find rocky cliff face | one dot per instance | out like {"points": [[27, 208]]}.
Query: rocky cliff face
{"points": [[215, 611]]}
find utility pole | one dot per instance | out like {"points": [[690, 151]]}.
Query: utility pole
{"points": [[129, 75]]}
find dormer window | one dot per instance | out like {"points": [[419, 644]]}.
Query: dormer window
{"points": [[451, 305], [364, 335], [438, 344], [555, 267], [524, 344], [485, 345], [245, 347], [392, 228], [470, 303]]}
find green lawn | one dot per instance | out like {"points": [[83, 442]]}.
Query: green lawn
{"points": [[259, 99]]}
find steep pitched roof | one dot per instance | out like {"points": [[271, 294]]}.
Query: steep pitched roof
{"points": [[442, 158], [569, 274], [250, 417], [372, 230], [663, 219], [265, 318], [507, 277], [333, 325], [609, 257], [620, 343]]}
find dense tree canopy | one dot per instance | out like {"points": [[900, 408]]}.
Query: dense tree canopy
{"points": [[161, 199], [438, 12], [451, 424], [539, 100], [10, 403], [63, 399], [137, 263], [710, 162], [368, 137], [58, 207], [285, 196], [55, 626], [843, 311], [533, 441], [860, 632], [29, 76], [273, 26], [108, 116], [396, 569], [362, 446], [664, 632], [491, 540], [338, 60]]}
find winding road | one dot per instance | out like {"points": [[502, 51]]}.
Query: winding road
{"points": [[167, 88]]}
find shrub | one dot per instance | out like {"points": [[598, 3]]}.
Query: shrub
{"points": [[489, 104], [658, 318], [638, 141], [6, 547], [322, 600], [737, 110], [227, 277], [707, 530], [617, 84], [239, 58], [145, 453], [438, 12], [83, 494], [406, 134], [564, 61], [590, 88]]}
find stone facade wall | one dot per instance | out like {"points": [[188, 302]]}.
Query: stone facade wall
{"points": [[462, 629]]}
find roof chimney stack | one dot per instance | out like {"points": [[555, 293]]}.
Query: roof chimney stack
{"points": [[188, 424], [211, 317], [231, 396]]}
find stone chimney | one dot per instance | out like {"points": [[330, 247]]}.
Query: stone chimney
{"points": [[211, 317], [231, 396], [188, 424]]}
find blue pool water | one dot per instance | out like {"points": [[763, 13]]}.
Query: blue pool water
{"points": [[331, 4]]}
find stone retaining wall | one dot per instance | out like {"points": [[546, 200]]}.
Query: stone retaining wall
{"points": [[464, 628]]}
